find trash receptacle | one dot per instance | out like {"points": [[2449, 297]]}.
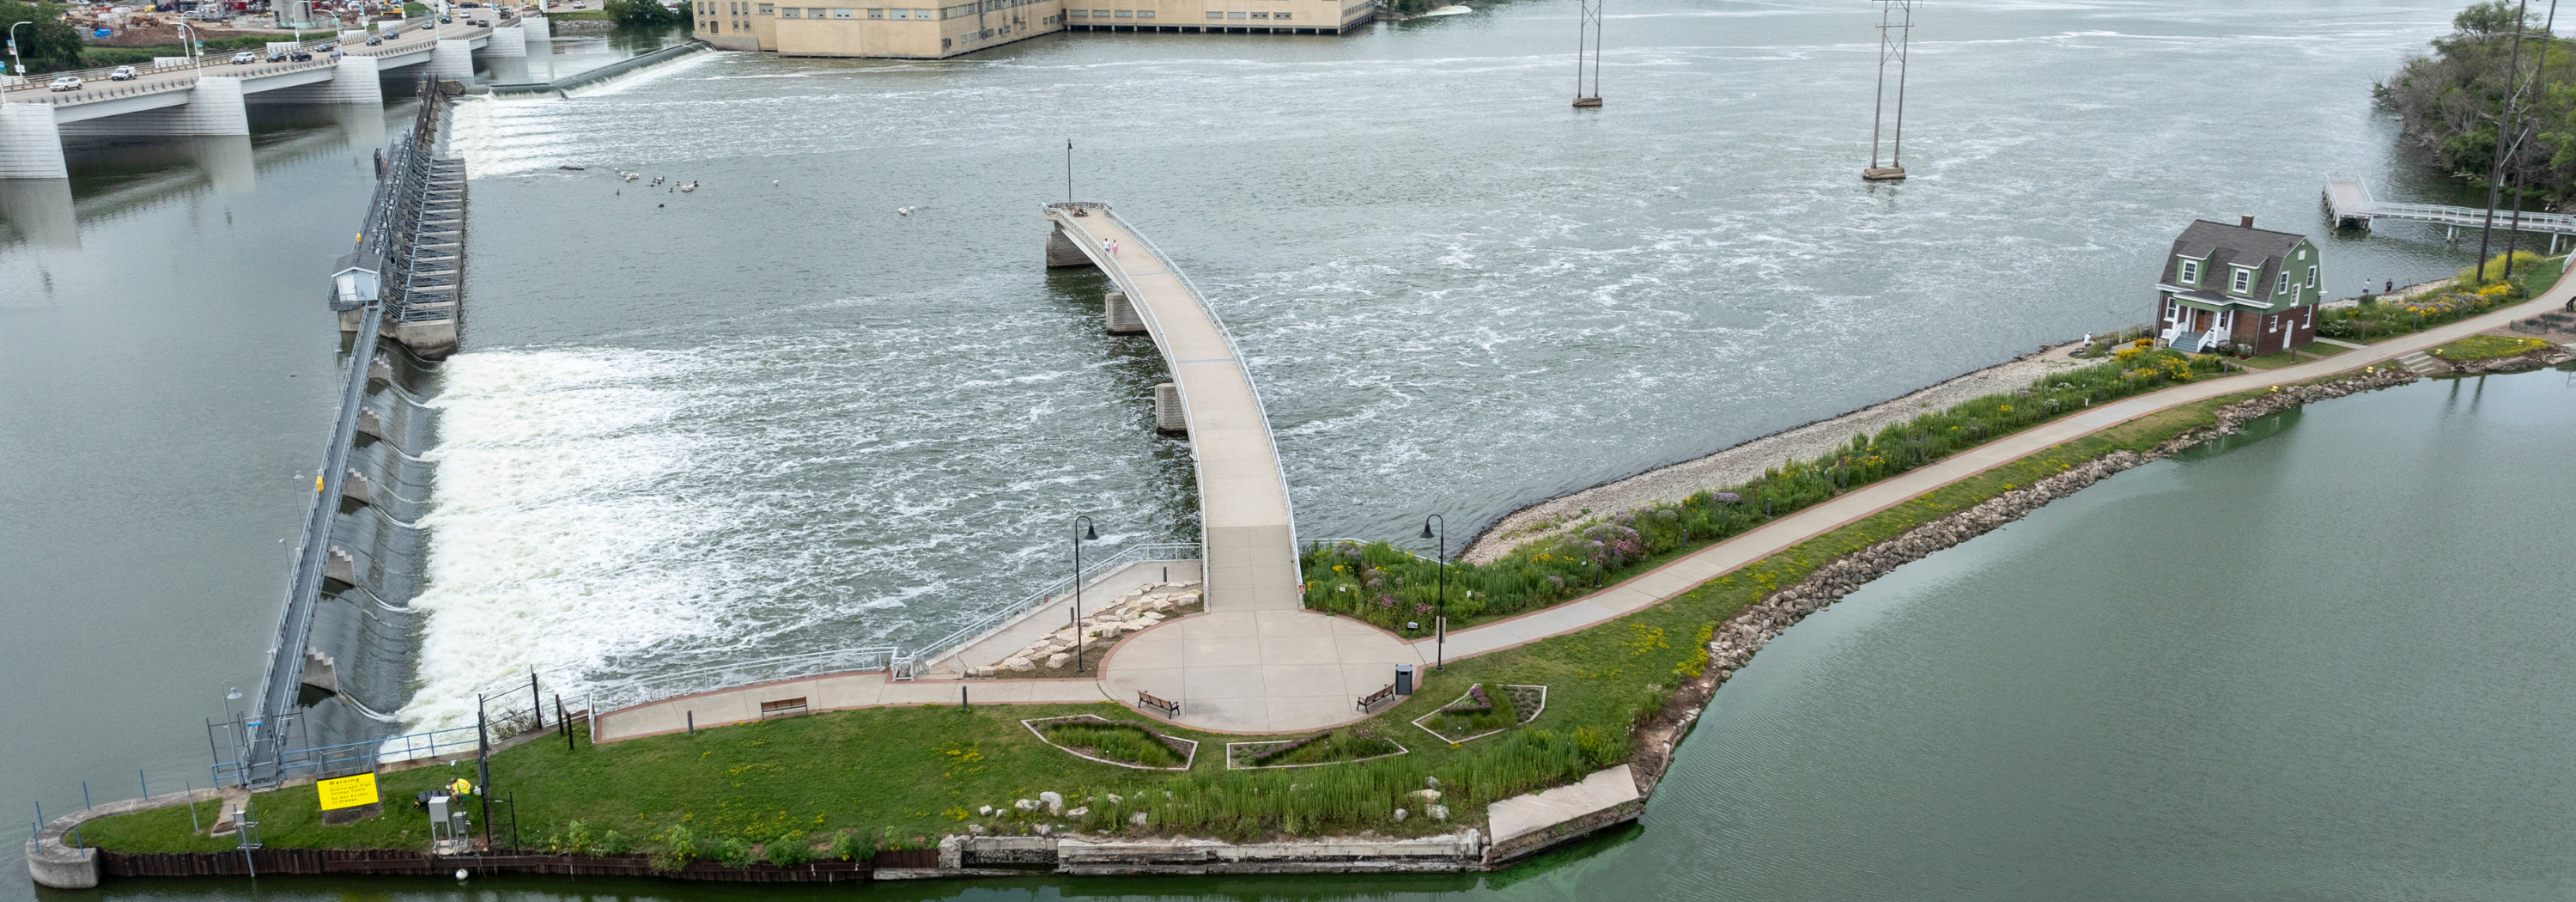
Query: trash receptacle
{"points": [[1404, 679]]}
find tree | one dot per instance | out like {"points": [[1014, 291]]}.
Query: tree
{"points": [[46, 43], [642, 12]]}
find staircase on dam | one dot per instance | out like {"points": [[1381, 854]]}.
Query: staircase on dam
{"points": [[1247, 528]]}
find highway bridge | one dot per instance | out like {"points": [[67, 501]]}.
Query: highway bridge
{"points": [[211, 96]]}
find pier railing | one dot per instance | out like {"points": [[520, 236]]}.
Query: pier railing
{"points": [[899, 664], [994, 617]]}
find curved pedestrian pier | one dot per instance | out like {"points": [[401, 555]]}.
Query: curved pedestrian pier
{"points": [[1246, 526]]}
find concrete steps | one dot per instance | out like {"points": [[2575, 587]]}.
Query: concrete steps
{"points": [[2424, 364]]}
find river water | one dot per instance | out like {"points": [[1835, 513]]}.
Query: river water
{"points": [[763, 418]]}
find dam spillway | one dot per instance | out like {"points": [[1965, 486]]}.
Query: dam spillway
{"points": [[342, 657]]}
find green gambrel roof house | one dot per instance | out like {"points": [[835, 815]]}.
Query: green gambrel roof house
{"points": [[2230, 285]]}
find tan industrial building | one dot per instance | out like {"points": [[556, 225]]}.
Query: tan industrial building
{"points": [[935, 32]]}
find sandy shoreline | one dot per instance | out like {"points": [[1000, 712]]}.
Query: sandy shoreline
{"points": [[1746, 461]]}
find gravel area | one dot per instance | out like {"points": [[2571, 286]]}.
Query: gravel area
{"points": [[1746, 461]]}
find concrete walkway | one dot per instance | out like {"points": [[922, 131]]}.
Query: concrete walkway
{"points": [[1687, 573], [1257, 671], [1246, 530]]}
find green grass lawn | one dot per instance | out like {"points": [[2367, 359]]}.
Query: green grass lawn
{"points": [[925, 771], [2482, 347], [2278, 359]]}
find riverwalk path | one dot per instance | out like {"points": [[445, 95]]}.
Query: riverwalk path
{"points": [[1690, 571], [1253, 664]]}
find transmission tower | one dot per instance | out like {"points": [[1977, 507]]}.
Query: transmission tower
{"points": [[1895, 34], [1587, 44]]}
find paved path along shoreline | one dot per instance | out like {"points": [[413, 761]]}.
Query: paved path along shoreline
{"points": [[1690, 571]]}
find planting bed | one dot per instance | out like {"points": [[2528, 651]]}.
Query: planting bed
{"points": [[1480, 712], [1115, 742], [1335, 746]]}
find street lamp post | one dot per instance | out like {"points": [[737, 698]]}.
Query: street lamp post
{"points": [[1082, 533], [20, 64], [1440, 601]]}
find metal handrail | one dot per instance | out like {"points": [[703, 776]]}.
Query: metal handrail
{"points": [[727, 676], [1258, 406], [993, 617], [645, 690]]}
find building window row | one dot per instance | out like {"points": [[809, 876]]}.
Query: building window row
{"points": [[1110, 13]]}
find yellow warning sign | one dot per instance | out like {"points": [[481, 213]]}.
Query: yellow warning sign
{"points": [[347, 792]]}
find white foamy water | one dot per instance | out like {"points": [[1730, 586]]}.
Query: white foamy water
{"points": [[556, 543]]}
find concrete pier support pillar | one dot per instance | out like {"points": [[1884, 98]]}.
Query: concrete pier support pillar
{"points": [[227, 161], [1169, 416], [452, 59], [1121, 314], [214, 107], [506, 42], [31, 145], [356, 80], [536, 31], [1062, 251], [41, 209]]}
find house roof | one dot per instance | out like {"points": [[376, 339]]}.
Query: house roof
{"points": [[2223, 245]]}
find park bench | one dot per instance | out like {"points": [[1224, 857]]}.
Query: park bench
{"points": [[1368, 704], [1147, 700]]}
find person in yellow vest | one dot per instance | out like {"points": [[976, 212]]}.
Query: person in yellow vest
{"points": [[460, 788]]}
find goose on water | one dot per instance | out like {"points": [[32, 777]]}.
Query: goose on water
{"points": [[686, 188]]}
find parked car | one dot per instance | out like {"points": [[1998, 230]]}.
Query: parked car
{"points": [[66, 83], [245, 58], [123, 73], [375, 40]]}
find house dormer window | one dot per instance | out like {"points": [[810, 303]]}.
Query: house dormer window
{"points": [[2189, 272], [2243, 282]]}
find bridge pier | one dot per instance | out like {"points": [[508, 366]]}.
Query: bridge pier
{"points": [[1120, 315], [452, 59], [1170, 417], [42, 211], [31, 144], [1063, 251], [506, 42], [535, 30], [227, 161]]}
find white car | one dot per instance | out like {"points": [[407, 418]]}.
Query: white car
{"points": [[66, 83], [122, 73], [245, 58]]}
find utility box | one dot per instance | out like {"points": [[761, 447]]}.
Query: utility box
{"points": [[449, 831], [1404, 679]]}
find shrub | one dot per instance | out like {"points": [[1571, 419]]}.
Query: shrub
{"points": [[736, 853], [576, 839], [789, 849], [678, 845], [612, 843], [851, 845]]}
